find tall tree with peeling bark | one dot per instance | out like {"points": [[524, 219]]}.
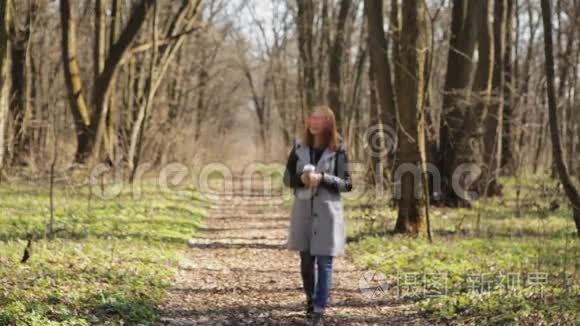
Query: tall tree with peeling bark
{"points": [[563, 173], [411, 134]]}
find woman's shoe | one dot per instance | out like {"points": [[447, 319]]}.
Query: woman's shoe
{"points": [[309, 310], [317, 319]]}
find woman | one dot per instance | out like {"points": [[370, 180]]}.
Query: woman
{"points": [[317, 228]]}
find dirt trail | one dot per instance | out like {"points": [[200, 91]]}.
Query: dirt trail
{"points": [[237, 271]]}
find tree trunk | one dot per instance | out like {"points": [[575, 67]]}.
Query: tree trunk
{"points": [[78, 104], [395, 30], [482, 86], [112, 122], [566, 52], [569, 188], [575, 150], [508, 115], [113, 61], [376, 179], [354, 98], [336, 54], [409, 84], [184, 21], [99, 48], [201, 101], [305, 22], [139, 126], [542, 135], [525, 85], [379, 49], [91, 126], [455, 140], [22, 90], [6, 15], [321, 46], [493, 122], [100, 39]]}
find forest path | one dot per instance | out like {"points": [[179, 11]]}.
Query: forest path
{"points": [[237, 271]]}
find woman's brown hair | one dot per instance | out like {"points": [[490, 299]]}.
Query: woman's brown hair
{"points": [[331, 135]]}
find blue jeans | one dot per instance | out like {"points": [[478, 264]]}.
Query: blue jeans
{"points": [[316, 289]]}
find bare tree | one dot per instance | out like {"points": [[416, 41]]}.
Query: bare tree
{"points": [[411, 134], [91, 123], [493, 121], [454, 137], [482, 87], [22, 84], [336, 54], [6, 15], [112, 117], [569, 188], [379, 50], [507, 162], [305, 22], [183, 23], [78, 103]]}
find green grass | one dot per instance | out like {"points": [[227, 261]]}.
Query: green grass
{"points": [[110, 261], [503, 242]]}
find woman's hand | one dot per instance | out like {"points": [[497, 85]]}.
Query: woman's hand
{"points": [[311, 179], [305, 177], [315, 179]]}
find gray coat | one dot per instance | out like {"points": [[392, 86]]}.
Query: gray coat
{"points": [[317, 219]]}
